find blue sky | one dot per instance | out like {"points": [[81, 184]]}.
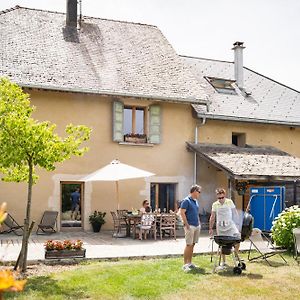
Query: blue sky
{"points": [[208, 28]]}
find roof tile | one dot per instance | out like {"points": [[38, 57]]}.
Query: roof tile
{"points": [[104, 56]]}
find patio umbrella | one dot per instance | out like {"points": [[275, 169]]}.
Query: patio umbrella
{"points": [[116, 171]]}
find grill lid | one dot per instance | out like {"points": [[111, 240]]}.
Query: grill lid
{"points": [[247, 226]]}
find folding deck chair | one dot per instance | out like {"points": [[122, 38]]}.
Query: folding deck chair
{"points": [[11, 225], [48, 222], [263, 246], [296, 236]]}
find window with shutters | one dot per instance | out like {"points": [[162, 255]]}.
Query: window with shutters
{"points": [[136, 124]]}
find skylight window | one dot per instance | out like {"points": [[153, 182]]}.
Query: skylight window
{"points": [[224, 86]]}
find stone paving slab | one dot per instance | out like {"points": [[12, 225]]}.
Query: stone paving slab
{"points": [[103, 246]]}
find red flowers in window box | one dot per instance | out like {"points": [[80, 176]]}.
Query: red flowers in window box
{"points": [[135, 138]]}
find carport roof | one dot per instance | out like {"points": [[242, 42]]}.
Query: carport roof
{"points": [[250, 162]]}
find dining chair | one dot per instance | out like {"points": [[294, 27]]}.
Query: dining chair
{"points": [[167, 225], [147, 225], [119, 224]]}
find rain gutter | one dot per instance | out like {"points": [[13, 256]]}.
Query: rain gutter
{"points": [[250, 120], [110, 93], [195, 153]]}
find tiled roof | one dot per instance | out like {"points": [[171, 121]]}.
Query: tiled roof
{"points": [[250, 162], [104, 56], [269, 102]]}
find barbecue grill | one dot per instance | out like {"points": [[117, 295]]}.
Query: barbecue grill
{"points": [[227, 243]]}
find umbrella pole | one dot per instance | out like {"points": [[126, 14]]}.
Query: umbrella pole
{"points": [[117, 188]]}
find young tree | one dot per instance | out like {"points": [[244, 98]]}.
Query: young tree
{"points": [[27, 144]]}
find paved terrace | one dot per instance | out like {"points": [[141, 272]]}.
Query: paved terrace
{"points": [[103, 246]]}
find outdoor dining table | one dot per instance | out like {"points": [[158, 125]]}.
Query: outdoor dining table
{"points": [[132, 222]]}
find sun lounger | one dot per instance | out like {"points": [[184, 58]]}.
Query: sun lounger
{"points": [[11, 225], [263, 246], [48, 223]]}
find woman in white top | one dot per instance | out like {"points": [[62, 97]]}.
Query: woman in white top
{"points": [[145, 204]]}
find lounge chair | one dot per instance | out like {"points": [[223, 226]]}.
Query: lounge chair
{"points": [[296, 235], [48, 223], [263, 246], [11, 225]]}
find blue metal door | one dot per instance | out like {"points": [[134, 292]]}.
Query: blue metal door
{"points": [[265, 205], [257, 206]]}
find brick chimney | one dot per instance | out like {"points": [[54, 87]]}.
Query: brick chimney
{"points": [[238, 63], [71, 18]]}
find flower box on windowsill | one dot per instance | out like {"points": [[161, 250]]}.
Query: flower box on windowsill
{"points": [[135, 139], [58, 254]]}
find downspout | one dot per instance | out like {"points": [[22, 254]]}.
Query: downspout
{"points": [[196, 142]]}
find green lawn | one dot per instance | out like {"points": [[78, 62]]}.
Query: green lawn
{"points": [[164, 279]]}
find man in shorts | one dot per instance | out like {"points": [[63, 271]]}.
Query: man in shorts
{"points": [[189, 211], [224, 212], [75, 201]]}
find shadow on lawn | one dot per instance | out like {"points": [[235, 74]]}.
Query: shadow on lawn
{"points": [[198, 270], [47, 286], [229, 273], [273, 264]]}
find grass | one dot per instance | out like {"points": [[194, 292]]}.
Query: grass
{"points": [[164, 279]]}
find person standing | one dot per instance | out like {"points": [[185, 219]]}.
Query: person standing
{"points": [[223, 210], [75, 201], [189, 211]]}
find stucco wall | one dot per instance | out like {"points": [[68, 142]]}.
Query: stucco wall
{"points": [[169, 160], [285, 138]]}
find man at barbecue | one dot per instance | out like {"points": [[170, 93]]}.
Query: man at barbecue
{"points": [[223, 212]]}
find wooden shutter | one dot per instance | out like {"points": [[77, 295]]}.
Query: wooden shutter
{"points": [[118, 109], [154, 124]]}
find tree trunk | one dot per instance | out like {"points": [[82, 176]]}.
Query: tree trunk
{"points": [[23, 254], [19, 257]]}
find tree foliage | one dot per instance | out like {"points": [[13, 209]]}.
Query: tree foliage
{"points": [[27, 144], [25, 141]]}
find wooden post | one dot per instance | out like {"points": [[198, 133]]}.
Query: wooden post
{"points": [[117, 191]]}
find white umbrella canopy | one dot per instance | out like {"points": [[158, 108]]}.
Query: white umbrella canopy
{"points": [[116, 171]]}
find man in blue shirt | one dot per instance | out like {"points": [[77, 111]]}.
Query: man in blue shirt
{"points": [[189, 211], [75, 200]]}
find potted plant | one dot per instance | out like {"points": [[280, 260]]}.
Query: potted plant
{"points": [[64, 249], [241, 187], [97, 220]]}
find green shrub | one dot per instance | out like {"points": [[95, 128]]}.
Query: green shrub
{"points": [[283, 226]]}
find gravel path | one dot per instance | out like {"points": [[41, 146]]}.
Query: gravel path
{"points": [[43, 269]]}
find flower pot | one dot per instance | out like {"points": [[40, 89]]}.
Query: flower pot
{"points": [[136, 140], [58, 254], [96, 227]]}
